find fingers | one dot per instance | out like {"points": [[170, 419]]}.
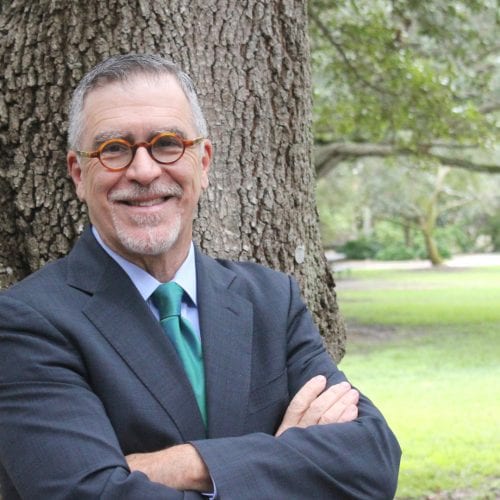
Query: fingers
{"points": [[306, 396], [327, 407], [350, 414], [344, 407], [301, 403], [313, 405]]}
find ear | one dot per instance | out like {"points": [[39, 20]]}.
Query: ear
{"points": [[206, 161], [75, 171]]}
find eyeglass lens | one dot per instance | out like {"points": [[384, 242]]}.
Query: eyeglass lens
{"points": [[164, 149]]}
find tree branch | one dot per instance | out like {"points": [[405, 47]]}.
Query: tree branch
{"points": [[489, 107], [328, 156]]}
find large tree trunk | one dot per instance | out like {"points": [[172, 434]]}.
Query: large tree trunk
{"points": [[250, 62]]}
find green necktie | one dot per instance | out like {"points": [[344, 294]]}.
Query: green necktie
{"points": [[167, 298]]}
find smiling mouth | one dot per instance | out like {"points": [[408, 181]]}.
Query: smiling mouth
{"points": [[145, 196], [146, 203]]}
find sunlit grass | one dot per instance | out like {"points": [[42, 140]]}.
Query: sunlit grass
{"points": [[437, 380]]}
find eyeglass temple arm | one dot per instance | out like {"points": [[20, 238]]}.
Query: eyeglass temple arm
{"points": [[191, 142], [86, 154]]}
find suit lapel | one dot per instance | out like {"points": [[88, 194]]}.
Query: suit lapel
{"points": [[117, 310], [226, 329]]}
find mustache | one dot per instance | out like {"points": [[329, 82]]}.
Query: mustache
{"points": [[137, 191]]}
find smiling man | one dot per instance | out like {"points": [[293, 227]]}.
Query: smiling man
{"points": [[143, 201], [139, 368]]}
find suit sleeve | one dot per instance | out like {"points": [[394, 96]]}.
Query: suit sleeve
{"points": [[56, 440], [358, 459]]}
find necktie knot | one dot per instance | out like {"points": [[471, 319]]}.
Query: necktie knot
{"points": [[167, 298]]}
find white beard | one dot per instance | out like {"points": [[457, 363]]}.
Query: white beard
{"points": [[148, 234], [152, 238]]}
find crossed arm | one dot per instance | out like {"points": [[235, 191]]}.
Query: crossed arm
{"points": [[181, 467], [49, 408]]}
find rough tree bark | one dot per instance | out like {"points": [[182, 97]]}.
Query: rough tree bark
{"points": [[250, 62]]}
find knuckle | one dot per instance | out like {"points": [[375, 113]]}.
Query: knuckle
{"points": [[324, 419], [339, 389], [354, 394], [316, 406]]}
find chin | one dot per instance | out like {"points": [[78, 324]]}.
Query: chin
{"points": [[150, 240]]}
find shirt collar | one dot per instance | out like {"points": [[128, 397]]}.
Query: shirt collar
{"points": [[145, 283]]}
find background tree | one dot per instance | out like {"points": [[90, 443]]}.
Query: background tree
{"points": [[406, 78], [250, 63], [401, 88], [419, 199], [410, 209]]}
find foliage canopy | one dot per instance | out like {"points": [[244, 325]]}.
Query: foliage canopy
{"points": [[415, 75]]}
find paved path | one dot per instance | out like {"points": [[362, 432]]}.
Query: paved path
{"points": [[465, 260]]}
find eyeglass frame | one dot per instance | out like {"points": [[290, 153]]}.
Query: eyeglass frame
{"points": [[186, 143]]}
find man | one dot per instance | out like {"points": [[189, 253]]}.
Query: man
{"points": [[97, 396]]}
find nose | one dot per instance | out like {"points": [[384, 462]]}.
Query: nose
{"points": [[143, 168]]}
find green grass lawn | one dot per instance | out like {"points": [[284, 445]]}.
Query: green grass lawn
{"points": [[428, 355]]}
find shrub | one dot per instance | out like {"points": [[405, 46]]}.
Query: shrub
{"points": [[362, 248], [396, 251]]}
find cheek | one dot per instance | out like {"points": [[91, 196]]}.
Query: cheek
{"points": [[199, 179], [96, 184]]}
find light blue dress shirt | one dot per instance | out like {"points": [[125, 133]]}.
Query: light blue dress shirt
{"points": [[147, 284]]}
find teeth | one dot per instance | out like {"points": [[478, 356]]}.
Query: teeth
{"points": [[148, 203]]}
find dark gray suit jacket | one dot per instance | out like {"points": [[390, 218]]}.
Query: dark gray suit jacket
{"points": [[88, 376]]}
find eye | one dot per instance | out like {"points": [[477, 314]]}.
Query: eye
{"points": [[167, 142], [114, 149]]}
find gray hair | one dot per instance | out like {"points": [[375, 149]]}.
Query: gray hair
{"points": [[118, 69]]}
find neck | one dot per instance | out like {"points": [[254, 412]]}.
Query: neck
{"points": [[162, 266]]}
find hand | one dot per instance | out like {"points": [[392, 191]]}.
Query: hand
{"points": [[179, 467], [312, 405]]}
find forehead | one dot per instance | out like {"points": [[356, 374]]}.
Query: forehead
{"points": [[137, 105]]}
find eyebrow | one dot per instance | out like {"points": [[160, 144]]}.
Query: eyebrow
{"points": [[173, 130], [110, 134], [123, 134]]}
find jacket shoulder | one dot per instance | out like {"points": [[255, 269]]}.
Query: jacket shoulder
{"points": [[49, 277], [259, 284]]}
